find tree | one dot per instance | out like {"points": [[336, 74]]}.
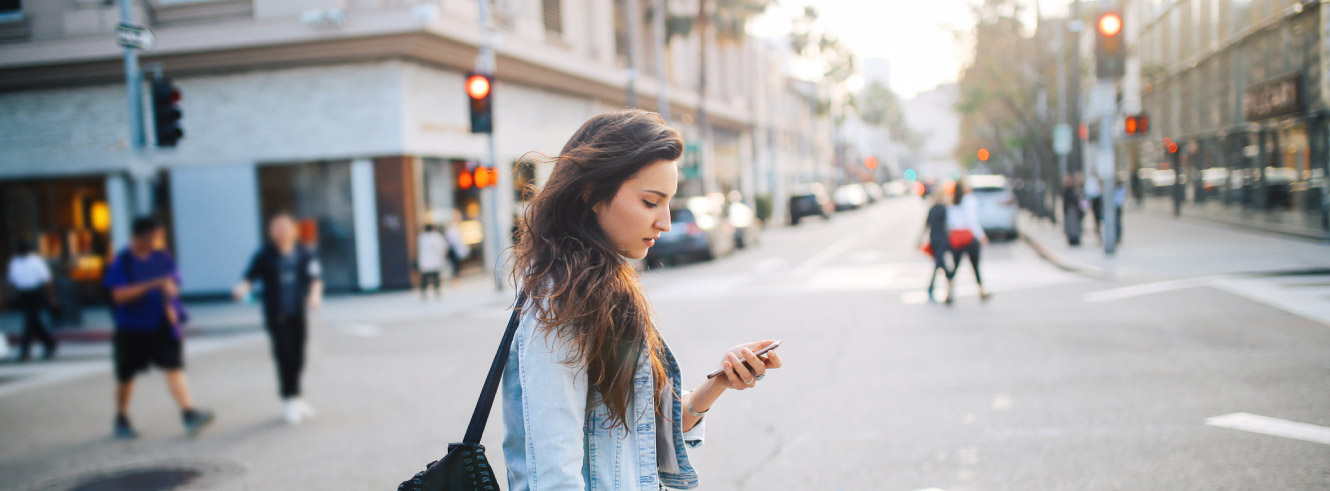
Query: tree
{"points": [[730, 20], [877, 105], [1000, 93]]}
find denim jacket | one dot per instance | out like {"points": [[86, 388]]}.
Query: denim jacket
{"points": [[555, 427]]}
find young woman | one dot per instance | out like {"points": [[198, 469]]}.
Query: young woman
{"points": [[963, 216], [592, 397], [935, 227]]}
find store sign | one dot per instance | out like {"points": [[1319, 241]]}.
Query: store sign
{"points": [[1275, 97]]}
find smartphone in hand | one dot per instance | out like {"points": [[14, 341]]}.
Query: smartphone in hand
{"points": [[760, 352]]}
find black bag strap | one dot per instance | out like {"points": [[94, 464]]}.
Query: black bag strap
{"points": [[486, 402]]}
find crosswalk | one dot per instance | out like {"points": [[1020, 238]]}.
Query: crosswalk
{"points": [[1304, 295], [839, 270]]}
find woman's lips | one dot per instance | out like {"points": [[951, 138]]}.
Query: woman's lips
{"points": [[650, 242]]}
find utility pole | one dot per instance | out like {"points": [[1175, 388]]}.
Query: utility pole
{"points": [[1077, 160], [140, 176], [633, 15], [497, 239], [658, 45]]}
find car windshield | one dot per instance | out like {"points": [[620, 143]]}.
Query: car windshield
{"points": [[682, 216]]}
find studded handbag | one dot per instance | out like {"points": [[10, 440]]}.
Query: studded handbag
{"points": [[465, 466]]}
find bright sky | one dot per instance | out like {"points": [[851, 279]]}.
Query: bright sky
{"points": [[916, 37]]}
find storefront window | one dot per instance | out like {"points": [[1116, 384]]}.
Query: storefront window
{"points": [[318, 194]]}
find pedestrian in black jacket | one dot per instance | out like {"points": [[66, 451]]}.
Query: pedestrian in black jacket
{"points": [[291, 289]]}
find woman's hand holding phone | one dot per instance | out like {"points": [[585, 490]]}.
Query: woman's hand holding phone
{"points": [[743, 365]]}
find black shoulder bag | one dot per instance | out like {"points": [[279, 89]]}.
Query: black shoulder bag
{"points": [[465, 467]]}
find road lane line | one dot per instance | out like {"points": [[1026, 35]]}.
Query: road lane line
{"points": [[826, 254], [1272, 426]]}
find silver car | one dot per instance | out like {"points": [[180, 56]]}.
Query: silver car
{"points": [[997, 204]]}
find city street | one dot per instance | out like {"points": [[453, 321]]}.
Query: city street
{"points": [[1062, 380]]}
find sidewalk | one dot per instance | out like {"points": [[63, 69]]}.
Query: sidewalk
{"points": [[220, 318], [1160, 246]]}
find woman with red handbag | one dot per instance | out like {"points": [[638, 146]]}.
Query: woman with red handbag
{"points": [[935, 226], [965, 233]]}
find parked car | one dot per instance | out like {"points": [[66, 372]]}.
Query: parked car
{"points": [[874, 191], [997, 204], [747, 228], [850, 197], [896, 187], [810, 201], [698, 229]]}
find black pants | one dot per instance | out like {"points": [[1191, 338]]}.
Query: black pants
{"points": [[1097, 208], [971, 250], [33, 302], [454, 262], [939, 262], [428, 279], [288, 350]]}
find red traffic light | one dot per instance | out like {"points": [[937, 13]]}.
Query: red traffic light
{"points": [[870, 162], [1136, 124], [983, 155], [1170, 145], [1110, 24], [485, 177], [478, 86], [465, 181]]}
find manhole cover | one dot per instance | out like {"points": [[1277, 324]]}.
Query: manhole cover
{"points": [[145, 479]]}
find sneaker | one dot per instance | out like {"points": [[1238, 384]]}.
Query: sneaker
{"points": [[195, 420], [306, 411], [122, 429], [291, 411]]}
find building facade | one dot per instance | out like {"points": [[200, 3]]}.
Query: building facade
{"points": [[350, 115], [1236, 93]]}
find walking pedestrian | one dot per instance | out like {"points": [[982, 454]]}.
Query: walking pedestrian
{"points": [[145, 291], [1071, 210], [939, 243], [1094, 193], [292, 287], [458, 251], [966, 235], [1119, 199], [431, 251], [31, 278], [591, 393]]}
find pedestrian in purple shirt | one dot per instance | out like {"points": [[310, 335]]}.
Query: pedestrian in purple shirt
{"points": [[148, 313]]}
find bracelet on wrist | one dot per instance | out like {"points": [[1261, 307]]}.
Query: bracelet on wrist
{"points": [[691, 410]]}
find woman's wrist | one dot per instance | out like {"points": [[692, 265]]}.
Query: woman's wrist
{"points": [[705, 395]]}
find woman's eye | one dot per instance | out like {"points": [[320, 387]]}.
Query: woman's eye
{"points": [[649, 204]]}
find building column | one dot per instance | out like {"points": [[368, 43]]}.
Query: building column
{"points": [[365, 213]]}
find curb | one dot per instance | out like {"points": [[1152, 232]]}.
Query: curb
{"points": [[102, 335], [1062, 263]]}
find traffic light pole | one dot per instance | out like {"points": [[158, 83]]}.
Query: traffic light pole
{"points": [[496, 237], [1107, 163], [133, 84]]}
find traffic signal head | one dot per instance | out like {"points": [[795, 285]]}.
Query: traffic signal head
{"points": [[983, 155], [1109, 49], [870, 162], [478, 93], [1136, 124], [166, 112]]}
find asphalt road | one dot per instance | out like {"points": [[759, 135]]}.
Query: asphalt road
{"points": [[1060, 381]]}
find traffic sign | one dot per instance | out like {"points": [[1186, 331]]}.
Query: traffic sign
{"points": [[135, 37], [1062, 139]]}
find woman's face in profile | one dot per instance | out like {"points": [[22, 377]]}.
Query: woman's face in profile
{"points": [[640, 211]]}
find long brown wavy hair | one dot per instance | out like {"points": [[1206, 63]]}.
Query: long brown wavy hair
{"points": [[582, 290]]}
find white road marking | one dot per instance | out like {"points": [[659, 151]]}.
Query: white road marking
{"points": [[364, 330], [826, 254], [1302, 296], [1145, 289], [1002, 402], [1272, 426]]}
